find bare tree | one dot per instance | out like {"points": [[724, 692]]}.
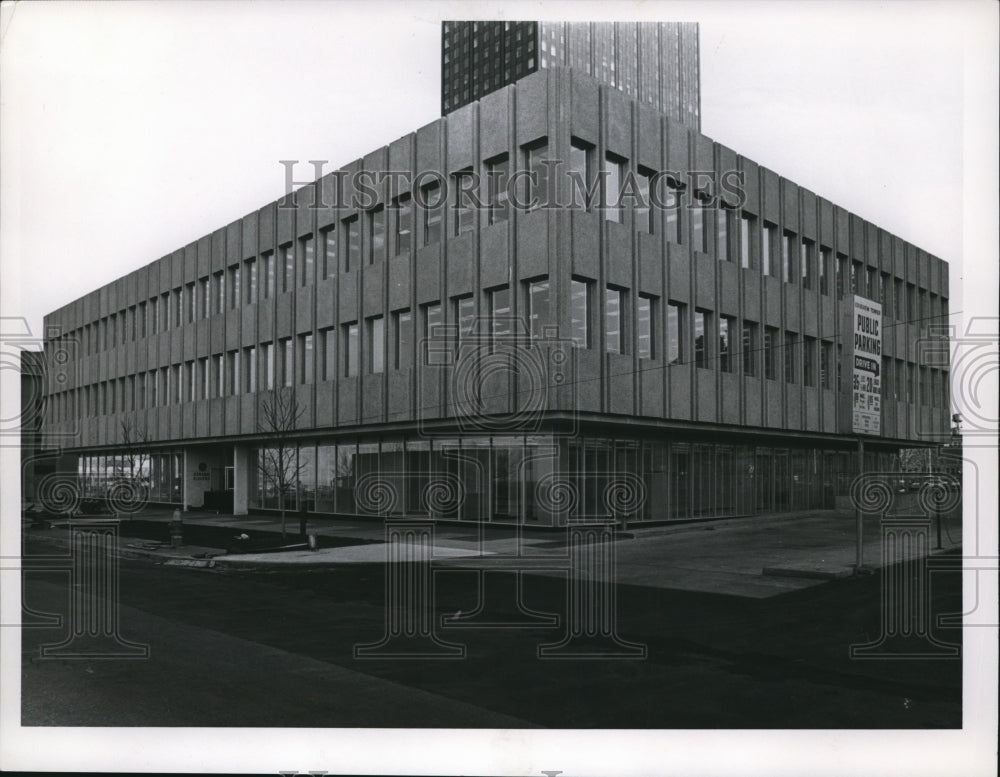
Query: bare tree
{"points": [[134, 460], [278, 463]]}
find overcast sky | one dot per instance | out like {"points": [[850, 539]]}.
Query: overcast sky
{"points": [[130, 130]]}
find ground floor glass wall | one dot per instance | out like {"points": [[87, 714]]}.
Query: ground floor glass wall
{"points": [[542, 479], [158, 473]]}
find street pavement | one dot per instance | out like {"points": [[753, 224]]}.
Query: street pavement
{"points": [[755, 557], [271, 639]]}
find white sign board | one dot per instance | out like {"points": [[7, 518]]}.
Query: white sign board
{"points": [[867, 390]]}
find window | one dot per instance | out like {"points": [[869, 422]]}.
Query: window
{"points": [[206, 378], [750, 349], [403, 338], [220, 374], [233, 372], [747, 229], [306, 361], [499, 314], [465, 315], [579, 310], [140, 319], [767, 247], [888, 382], [234, 287], [770, 358], [724, 235], [645, 331], [351, 228], [787, 254], [329, 238], [433, 321], [899, 300], [268, 365], [536, 163], [885, 294], [376, 344], [286, 352], [825, 367], [911, 303], [643, 211], [671, 207], [614, 309], [727, 353], [376, 234], [219, 282], [190, 302], [287, 267], [856, 277], [580, 174], [307, 261], [790, 365], [268, 259], [154, 322], [910, 381], [698, 237], [251, 281], [497, 179], [351, 349], [166, 315], [403, 205], [614, 170], [805, 263], [824, 271], [463, 185], [842, 276], [328, 339], [205, 297], [539, 311], [675, 333], [871, 283], [250, 369], [431, 196], [809, 361], [702, 330]]}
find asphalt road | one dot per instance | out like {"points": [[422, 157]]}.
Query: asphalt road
{"points": [[277, 649]]}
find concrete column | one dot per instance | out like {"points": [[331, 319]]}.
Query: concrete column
{"points": [[242, 462]]}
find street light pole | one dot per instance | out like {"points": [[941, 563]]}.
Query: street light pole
{"points": [[859, 554]]}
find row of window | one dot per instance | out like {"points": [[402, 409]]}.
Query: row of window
{"points": [[716, 341], [361, 238], [791, 358], [227, 290]]}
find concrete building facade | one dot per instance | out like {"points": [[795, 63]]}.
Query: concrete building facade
{"points": [[516, 358]]}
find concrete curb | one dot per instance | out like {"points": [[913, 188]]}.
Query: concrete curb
{"points": [[813, 573]]}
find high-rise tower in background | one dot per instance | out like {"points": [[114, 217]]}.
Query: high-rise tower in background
{"points": [[655, 63]]}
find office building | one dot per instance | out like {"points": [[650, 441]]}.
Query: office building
{"points": [[715, 346], [656, 63]]}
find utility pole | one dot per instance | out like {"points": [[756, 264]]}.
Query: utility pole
{"points": [[859, 554]]}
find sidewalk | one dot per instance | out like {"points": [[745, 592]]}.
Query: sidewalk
{"points": [[757, 557]]}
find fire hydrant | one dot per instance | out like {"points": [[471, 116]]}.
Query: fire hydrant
{"points": [[176, 530]]}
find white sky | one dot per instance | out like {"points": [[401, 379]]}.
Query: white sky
{"points": [[127, 130], [131, 129]]}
